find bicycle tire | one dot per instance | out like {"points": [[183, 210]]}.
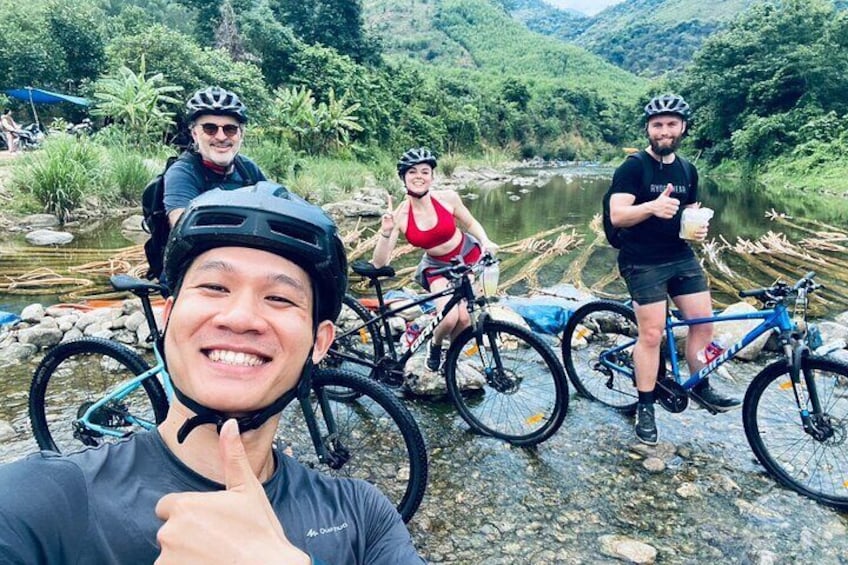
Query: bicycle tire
{"points": [[383, 439], [591, 330], [365, 344], [814, 468], [67, 380], [526, 402]]}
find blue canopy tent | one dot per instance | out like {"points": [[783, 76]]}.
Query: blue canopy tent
{"points": [[39, 96]]}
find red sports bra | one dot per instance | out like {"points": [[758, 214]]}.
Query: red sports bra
{"points": [[440, 233]]}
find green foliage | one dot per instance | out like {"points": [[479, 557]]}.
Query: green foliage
{"points": [[336, 24], [186, 64], [127, 174], [755, 86], [275, 157], [61, 174], [325, 180], [137, 103], [313, 128]]}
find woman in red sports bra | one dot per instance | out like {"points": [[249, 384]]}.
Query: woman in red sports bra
{"points": [[441, 225]]}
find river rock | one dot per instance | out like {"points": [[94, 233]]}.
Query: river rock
{"points": [[72, 334], [33, 313], [627, 549], [354, 209], [7, 432], [37, 221], [48, 237], [40, 336], [736, 329], [16, 352], [133, 223]]}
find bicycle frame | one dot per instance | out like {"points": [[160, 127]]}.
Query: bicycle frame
{"points": [[773, 319], [458, 292]]}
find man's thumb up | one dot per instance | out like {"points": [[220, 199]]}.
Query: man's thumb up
{"points": [[668, 190], [237, 472]]}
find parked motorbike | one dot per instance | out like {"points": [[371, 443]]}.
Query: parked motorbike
{"points": [[30, 137], [82, 128]]}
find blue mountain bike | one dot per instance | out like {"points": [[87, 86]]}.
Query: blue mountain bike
{"points": [[795, 411]]}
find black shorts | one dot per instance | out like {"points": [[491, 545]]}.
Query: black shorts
{"points": [[653, 283]]}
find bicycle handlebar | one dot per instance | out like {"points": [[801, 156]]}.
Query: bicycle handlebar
{"points": [[781, 290]]}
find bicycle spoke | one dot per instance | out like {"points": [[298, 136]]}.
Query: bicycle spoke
{"points": [[813, 463], [510, 385]]}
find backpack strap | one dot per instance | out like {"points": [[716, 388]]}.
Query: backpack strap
{"points": [[642, 156], [244, 171]]}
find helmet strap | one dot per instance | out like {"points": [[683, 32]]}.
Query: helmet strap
{"points": [[417, 195], [250, 421]]}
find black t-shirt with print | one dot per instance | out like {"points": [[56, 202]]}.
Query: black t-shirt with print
{"points": [[655, 240]]}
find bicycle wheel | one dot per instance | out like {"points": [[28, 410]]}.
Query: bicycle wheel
{"points": [[375, 438], [74, 375], [812, 463], [597, 351], [516, 388], [353, 340]]}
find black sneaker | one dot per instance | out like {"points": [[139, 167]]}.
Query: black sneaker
{"points": [[434, 359], [646, 427], [708, 398]]}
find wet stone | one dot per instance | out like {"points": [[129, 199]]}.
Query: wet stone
{"points": [[653, 465]]}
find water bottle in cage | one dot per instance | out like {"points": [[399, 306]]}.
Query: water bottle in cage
{"points": [[413, 330], [713, 349]]}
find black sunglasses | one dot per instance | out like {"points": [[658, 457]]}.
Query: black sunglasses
{"points": [[230, 130]]}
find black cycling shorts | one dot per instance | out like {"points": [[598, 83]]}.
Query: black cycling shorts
{"points": [[653, 283]]}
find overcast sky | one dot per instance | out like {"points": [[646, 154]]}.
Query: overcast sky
{"points": [[588, 7]]}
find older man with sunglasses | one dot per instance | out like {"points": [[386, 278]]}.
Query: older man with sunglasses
{"points": [[216, 121]]}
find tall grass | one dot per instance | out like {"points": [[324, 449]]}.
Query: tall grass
{"points": [[128, 175], [60, 175], [324, 180]]}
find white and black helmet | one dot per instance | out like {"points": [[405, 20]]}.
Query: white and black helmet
{"points": [[216, 101], [413, 157], [667, 104]]}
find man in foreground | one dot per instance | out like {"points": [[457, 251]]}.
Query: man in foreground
{"points": [[258, 277]]}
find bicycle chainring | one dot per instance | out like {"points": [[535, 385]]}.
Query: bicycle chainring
{"points": [[671, 395]]}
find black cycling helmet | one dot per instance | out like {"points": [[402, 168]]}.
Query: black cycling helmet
{"points": [[264, 216], [217, 101], [667, 104], [413, 157]]}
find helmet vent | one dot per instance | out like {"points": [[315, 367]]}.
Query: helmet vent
{"points": [[290, 231], [219, 219]]}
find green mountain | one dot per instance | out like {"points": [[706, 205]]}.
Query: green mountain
{"points": [[481, 34], [646, 37], [654, 36]]}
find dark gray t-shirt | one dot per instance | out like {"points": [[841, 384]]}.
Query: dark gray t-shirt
{"points": [[187, 178], [98, 506]]}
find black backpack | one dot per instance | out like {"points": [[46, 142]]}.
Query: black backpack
{"points": [[155, 218], [614, 234]]}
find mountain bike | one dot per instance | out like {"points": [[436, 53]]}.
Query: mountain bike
{"points": [[795, 412], [517, 392], [91, 390]]}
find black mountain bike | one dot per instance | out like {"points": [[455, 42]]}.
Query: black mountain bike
{"points": [[91, 390], [505, 381]]}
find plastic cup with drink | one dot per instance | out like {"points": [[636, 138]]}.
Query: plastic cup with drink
{"points": [[692, 220]]}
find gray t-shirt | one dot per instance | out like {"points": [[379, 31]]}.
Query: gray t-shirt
{"points": [[98, 506]]}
